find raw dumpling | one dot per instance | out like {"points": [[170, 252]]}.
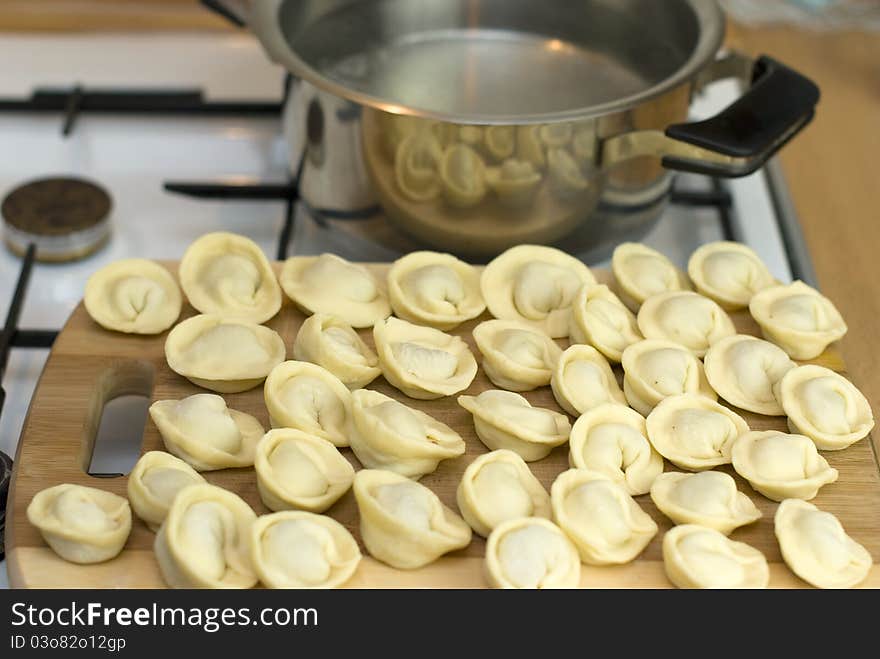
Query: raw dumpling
{"points": [[825, 406], [584, 143], [505, 420], [463, 176], [496, 487], [529, 146], [516, 356], [389, 435], [686, 318], [331, 285], [600, 319], [514, 181], [699, 557], [531, 552], [655, 369], [500, 141], [535, 285], [557, 134], [729, 273], [707, 498], [81, 524], [135, 296], [744, 371], [333, 344], [583, 379], [296, 549], [565, 174], [470, 135], [798, 319], [434, 289], [296, 470], [612, 440], [642, 272], [694, 432], [155, 481], [781, 466], [307, 397], [423, 362], [228, 275], [204, 540], [403, 523], [417, 166], [605, 523], [817, 548], [206, 434], [227, 356]]}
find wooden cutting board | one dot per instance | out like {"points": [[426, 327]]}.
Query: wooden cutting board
{"points": [[89, 365]]}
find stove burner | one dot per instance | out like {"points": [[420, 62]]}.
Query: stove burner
{"points": [[66, 218]]}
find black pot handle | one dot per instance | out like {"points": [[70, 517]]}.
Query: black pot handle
{"points": [[234, 15]]}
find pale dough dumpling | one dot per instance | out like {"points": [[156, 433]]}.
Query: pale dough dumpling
{"points": [[745, 370], [463, 176], [204, 540], [500, 141], [423, 362], [535, 285], [434, 289], [332, 343], [565, 173], [642, 272], [729, 273], [531, 552], [81, 524], [605, 523], [505, 420], [403, 523], [781, 466], [686, 318], [529, 146], [825, 406], [612, 440], [154, 482], [699, 557], [516, 356], [309, 398], [299, 471], [817, 548], [515, 182], [386, 434], [600, 319], [583, 379], [331, 285], [499, 486], [296, 549], [417, 166], [707, 498], [798, 319], [226, 356], [135, 296], [206, 434]]}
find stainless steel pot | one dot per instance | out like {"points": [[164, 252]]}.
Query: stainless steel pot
{"points": [[488, 123]]}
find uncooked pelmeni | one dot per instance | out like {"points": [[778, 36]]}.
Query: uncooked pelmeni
{"points": [[297, 549], [699, 557], [81, 524], [514, 182], [228, 275], [505, 420], [707, 498], [135, 296], [153, 483], [825, 406], [417, 166], [745, 370], [386, 434], [556, 135], [204, 541], [600, 319], [564, 172], [403, 523], [535, 285], [529, 146], [204, 433], [332, 343], [605, 523], [729, 273], [781, 466], [226, 356], [641, 272], [299, 471], [583, 379], [423, 362], [686, 318], [463, 176], [798, 319], [331, 285], [531, 552], [516, 356], [612, 440], [307, 397], [500, 141], [499, 486], [817, 548]]}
